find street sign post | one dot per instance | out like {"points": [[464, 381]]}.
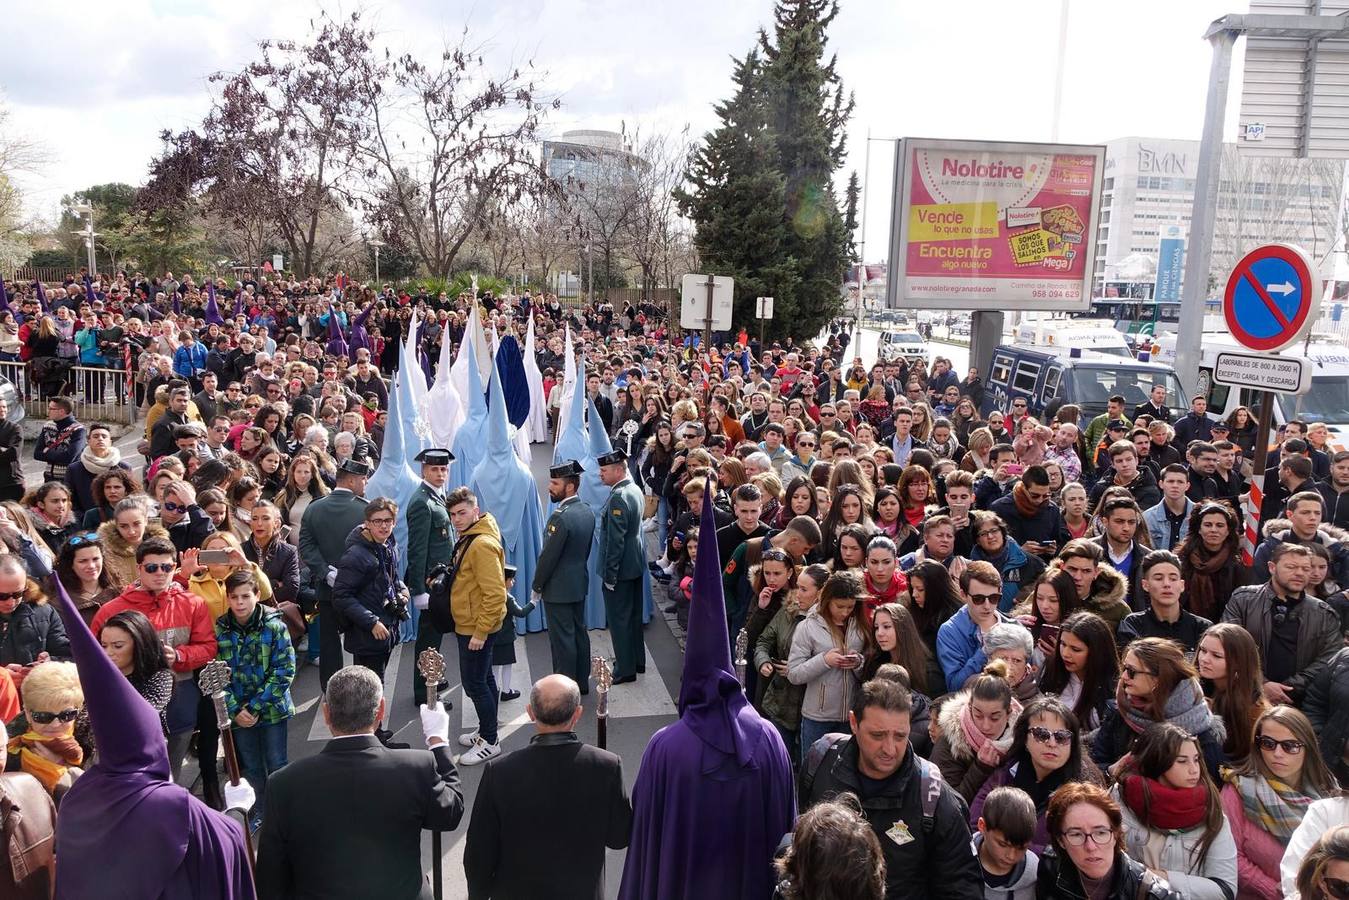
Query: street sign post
{"points": [[763, 309], [1270, 302], [1267, 372], [705, 304]]}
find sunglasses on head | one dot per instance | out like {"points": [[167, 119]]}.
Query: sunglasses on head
{"points": [[46, 718], [88, 537]]}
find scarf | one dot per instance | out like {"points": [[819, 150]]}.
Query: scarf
{"points": [[1024, 505], [1272, 804], [1201, 586], [1163, 807], [40, 767], [100, 465], [977, 739], [1023, 776], [1185, 708]]}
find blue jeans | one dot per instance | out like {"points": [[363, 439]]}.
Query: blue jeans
{"points": [[480, 686], [811, 731], [662, 524], [262, 751]]}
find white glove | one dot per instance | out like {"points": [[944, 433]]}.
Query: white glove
{"points": [[537, 597], [609, 587], [240, 796], [435, 722], [421, 601], [332, 575]]}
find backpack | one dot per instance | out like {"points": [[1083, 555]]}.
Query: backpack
{"points": [[438, 604], [929, 777]]}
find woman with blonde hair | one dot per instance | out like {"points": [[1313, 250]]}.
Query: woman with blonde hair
{"points": [[208, 581], [1268, 794], [976, 456]]}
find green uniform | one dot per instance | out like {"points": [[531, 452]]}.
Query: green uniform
{"points": [[429, 544], [562, 579], [323, 539], [622, 570]]}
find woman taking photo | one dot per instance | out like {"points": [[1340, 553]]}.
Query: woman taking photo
{"points": [[827, 649], [1158, 684], [1228, 662], [1089, 861], [108, 490], [933, 597], [135, 648], [1267, 795], [781, 702], [1210, 559], [1173, 817], [80, 568], [976, 730], [896, 640], [1046, 754], [1084, 668]]}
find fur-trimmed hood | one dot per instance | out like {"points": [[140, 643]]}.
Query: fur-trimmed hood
{"points": [[1327, 534], [949, 722], [1109, 586], [113, 541]]}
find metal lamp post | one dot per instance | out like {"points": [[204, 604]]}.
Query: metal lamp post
{"points": [[87, 210], [376, 243]]}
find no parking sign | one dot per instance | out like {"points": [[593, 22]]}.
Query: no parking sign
{"points": [[1271, 297]]}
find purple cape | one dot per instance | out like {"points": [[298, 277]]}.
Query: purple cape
{"points": [[337, 345], [212, 314], [360, 338], [125, 830], [715, 792]]}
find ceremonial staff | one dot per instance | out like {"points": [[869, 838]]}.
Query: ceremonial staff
{"points": [[741, 648], [432, 666], [215, 677], [604, 679]]}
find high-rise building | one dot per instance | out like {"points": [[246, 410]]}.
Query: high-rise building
{"points": [[1149, 187], [585, 157]]}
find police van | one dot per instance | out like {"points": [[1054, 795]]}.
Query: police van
{"points": [[1087, 334], [1048, 377], [1327, 401]]}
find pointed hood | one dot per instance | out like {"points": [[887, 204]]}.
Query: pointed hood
{"points": [[337, 345], [212, 314], [445, 406], [360, 338], [498, 440], [568, 380], [711, 701], [599, 438], [238, 300], [177, 304], [468, 446], [41, 296], [514, 385], [4, 296], [89, 290], [405, 436]]}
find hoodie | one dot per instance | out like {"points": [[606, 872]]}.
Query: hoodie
{"points": [[178, 616], [478, 598], [1021, 881]]}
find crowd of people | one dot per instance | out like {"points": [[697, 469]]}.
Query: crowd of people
{"points": [[1006, 656]]}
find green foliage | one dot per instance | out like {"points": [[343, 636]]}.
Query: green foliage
{"points": [[53, 259], [761, 191], [463, 281]]}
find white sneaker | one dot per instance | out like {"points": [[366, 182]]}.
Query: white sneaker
{"points": [[469, 740], [479, 754]]}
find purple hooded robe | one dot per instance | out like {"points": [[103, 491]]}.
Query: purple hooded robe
{"points": [[337, 345], [212, 314], [125, 830], [715, 792]]}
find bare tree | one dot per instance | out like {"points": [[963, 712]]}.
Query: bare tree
{"points": [[19, 156], [443, 145], [548, 235], [654, 219]]}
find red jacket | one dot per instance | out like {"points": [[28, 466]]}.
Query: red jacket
{"points": [[180, 617]]}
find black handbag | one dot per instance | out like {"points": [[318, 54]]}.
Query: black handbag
{"points": [[440, 587]]}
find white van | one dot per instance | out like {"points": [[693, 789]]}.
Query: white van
{"points": [[1099, 335], [1327, 401], [906, 345]]}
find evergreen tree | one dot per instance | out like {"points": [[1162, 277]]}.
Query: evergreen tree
{"points": [[762, 191]]}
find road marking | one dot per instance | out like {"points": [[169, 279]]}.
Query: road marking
{"points": [[318, 730], [521, 680], [647, 696]]}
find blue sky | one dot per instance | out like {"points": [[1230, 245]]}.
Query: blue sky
{"points": [[98, 81]]}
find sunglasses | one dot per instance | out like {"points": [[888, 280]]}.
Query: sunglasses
{"points": [[6, 596], [1131, 673], [1045, 736], [152, 568], [1336, 887], [174, 507], [46, 718], [1282, 613], [981, 599], [77, 540], [1291, 747], [805, 443]]}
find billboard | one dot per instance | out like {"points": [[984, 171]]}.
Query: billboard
{"points": [[985, 225], [1170, 264]]}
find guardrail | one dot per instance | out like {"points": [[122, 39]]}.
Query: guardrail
{"points": [[100, 394]]}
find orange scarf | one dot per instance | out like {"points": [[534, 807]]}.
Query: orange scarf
{"points": [[40, 767]]}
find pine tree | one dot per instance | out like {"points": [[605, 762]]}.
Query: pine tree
{"points": [[761, 188]]}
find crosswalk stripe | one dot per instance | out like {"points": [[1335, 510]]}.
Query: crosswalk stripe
{"points": [[647, 696], [521, 680], [318, 729]]}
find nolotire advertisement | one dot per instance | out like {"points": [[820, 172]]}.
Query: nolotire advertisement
{"points": [[994, 225]]}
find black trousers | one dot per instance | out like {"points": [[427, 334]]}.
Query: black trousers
{"points": [[375, 662], [208, 742], [330, 644], [569, 641]]}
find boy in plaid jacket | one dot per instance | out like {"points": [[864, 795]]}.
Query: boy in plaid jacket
{"points": [[253, 640]]}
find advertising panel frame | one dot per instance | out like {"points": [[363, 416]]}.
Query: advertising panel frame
{"points": [[898, 295]]}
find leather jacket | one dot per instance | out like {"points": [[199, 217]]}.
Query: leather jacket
{"points": [[28, 819]]}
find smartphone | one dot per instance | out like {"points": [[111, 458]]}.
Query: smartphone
{"points": [[214, 557], [1051, 632], [1014, 468]]}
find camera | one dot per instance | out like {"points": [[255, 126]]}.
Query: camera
{"points": [[397, 604]]}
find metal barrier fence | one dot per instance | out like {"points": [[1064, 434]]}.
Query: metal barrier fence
{"points": [[100, 394]]}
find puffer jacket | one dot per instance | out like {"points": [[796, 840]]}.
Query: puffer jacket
{"points": [[956, 756], [262, 664], [1335, 540], [1109, 596], [1215, 880], [828, 691], [782, 699], [367, 577], [1018, 570], [32, 629], [1327, 698], [1318, 635], [179, 617], [478, 599], [1058, 879], [119, 556]]}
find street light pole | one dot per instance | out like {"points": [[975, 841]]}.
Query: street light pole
{"points": [[87, 210], [376, 243]]}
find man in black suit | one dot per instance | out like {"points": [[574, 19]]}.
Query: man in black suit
{"points": [[558, 787], [347, 822]]}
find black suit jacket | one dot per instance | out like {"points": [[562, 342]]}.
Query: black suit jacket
{"points": [[347, 822], [541, 820]]}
